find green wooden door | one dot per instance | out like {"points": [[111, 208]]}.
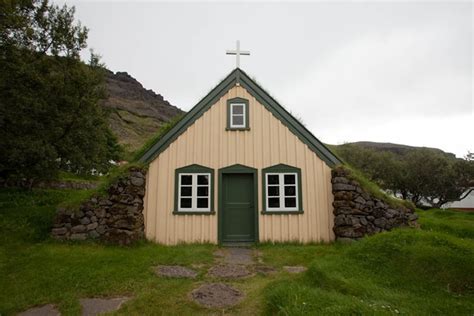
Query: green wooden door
{"points": [[238, 213]]}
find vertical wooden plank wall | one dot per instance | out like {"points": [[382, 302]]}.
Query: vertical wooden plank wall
{"points": [[268, 142]]}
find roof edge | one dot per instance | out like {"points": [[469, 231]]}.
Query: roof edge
{"points": [[240, 77]]}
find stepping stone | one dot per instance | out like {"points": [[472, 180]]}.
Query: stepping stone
{"points": [[96, 306], [175, 272], [220, 253], [295, 269], [237, 255], [216, 295], [265, 270], [45, 310], [229, 271]]}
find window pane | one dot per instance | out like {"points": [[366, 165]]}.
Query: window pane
{"points": [[290, 202], [203, 179], [187, 179], [273, 179], [186, 191], [273, 202], [237, 120], [289, 179], [186, 203], [237, 109], [273, 191], [202, 203], [290, 190], [203, 191]]}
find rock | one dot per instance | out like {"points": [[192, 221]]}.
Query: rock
{"points": [[45, 310], [175, 272], [100, 229], [96, 306], [340, 180], [363, 221], [229, 271], [85, 221], [93, 219], [78, 237], [343, 187], [93, 234], [380, 222], [138, 182], [59, 231], [78, 229], [92, 226], [360, 200], [216, 295], [413, 217]]}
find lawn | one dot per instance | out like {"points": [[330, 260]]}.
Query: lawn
{"points": [[406, 271]]}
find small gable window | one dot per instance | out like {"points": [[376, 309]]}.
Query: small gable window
{"points": [[194, 190], [237, 114], [282, 190]]}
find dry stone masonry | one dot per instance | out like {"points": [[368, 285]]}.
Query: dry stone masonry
{"points": [[358, 214], [116, 217]]}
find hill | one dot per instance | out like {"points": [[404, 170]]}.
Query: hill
{"points": [[395, 148], [136, 113]]}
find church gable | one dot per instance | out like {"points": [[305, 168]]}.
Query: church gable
{"points": [[237, 117]]}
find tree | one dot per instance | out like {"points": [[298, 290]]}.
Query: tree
{"points": [[423, 176], [50, 118]]}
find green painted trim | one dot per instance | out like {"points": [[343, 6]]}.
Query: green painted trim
{"points": [[193, 213], [247, 123], [194, 168], [237, 168], [239, 76], [281, 213], [281, 168]]}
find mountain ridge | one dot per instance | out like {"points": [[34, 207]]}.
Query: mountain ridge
{"points": [[135, 113]]}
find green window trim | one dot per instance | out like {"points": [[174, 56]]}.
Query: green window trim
{"points": [[280, 169], [245, 102], [192, 169]]}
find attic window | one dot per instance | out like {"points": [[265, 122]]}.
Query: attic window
{"points": [[238, 114]]}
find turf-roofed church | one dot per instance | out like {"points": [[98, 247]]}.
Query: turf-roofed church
{"points": [[238, 168]]}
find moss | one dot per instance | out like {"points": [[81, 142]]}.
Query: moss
{"points": [[373, 189]]}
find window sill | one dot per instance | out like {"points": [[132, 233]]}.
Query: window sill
{"points": [[193, 213], [237, 129], [281, 212]]}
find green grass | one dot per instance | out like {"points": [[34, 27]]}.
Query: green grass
{"points": [[416, 272], [419, 272]]}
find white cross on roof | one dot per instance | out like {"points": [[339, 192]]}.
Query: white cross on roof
{"points": [[237, 52]]}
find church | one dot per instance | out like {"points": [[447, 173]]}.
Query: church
{"points": [[238, 169]]}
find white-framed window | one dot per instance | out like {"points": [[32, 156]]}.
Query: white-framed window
{"points": [[237, 115], [282, 191], [194, 192]]}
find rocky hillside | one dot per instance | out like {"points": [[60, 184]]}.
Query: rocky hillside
{"points": [[136, 113]]}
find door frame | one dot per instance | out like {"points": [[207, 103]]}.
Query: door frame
{"points": [[236, 169]]}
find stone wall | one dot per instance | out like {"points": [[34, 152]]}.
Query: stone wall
{"points": [[358, 214], [116, 217]]}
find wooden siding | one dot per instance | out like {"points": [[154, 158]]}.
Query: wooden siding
{"points": [[267, 143]]}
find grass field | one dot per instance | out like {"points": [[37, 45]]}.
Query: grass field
{"points": [[415, 272]]}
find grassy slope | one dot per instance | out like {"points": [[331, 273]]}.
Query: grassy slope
{"points": [[430, 271]]}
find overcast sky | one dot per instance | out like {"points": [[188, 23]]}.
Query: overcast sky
{"points": [[397, 72]]}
